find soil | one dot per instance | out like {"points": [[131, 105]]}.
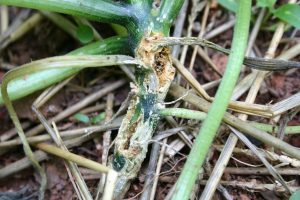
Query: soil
{"points": [[47, 40]]}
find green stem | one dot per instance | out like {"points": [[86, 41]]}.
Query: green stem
{"points": [[145, 3], [183, 113], [272, 129], [208, 130], [98, 10], [21, 87], [139, 1], [198, 115], [178, 92], [166, 15], [63, 23]]}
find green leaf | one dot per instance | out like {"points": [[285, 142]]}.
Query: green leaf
{"points": [[289, 13], [85, 34], [98, 118], [266, 3], [295, 195], [229, 4], [120, 30], [82, 118]]}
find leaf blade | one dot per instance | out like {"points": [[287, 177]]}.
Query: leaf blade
{"points": [[229, 4], [289, 13], [265, 3], [85, 34], [295, 195], [82, 118]]}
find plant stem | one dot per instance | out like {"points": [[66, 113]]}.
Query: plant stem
{"points": [[167, 13], [198, 115], [73, 157], [183, 113], [208, 130], [98, 10], [178, 91], [145, 4], [63, 23], [153, 79]]}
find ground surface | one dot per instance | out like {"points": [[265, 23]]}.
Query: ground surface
{"points": [[46, 40]]}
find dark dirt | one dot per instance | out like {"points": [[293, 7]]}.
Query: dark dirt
{"points": [[47, 40]]}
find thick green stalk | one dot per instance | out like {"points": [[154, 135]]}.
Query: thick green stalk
{"points": [[21, 87], [169, 11], [146, 4], [153, 20], [208, 130], [166, 15], [98, 10], [153, 79]]}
